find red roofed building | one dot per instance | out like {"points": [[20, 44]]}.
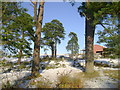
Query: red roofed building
{"points": [[98, 49]]}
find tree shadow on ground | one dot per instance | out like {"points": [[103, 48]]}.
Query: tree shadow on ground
{"points": [[20, 81], [43, 65], [76, 64]]}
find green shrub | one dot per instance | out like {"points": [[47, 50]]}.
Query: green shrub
{"points": [[44, 60], [26, 63], [50, 67], [3, 62], [22, 66], [15, 63]]}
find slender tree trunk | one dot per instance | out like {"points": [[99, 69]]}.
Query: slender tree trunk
{"points": [[20, 52], [89, 41], [55, 49], [36, 55], [19, 58], [72, 51], [52, 49]]}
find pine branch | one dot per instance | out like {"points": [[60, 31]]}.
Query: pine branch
{"points": [[33, 37], [102, 25]]}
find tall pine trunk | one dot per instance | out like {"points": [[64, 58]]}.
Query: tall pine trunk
{"points": [[55, 49], [72, 52], [89, 41], [52, 50], [36, 55], [19, 58], [21, 48]]}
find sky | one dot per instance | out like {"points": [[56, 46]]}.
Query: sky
{"points": [[69, 17]]}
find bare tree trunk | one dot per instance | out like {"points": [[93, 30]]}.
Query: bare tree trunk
{"points": [[19, 58], [89, 41], [38, 19]]}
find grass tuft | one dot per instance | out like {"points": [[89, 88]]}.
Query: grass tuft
{"points": [[112, 74], [7, 85], [94, 74], [41, 83], [66, 81]]}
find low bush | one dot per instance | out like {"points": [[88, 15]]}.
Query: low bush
{"points": [[3, 62], [85, 75], [22, 66], [41, 83], [116, 66], [66, 81], [112, 74], [50, 67], [6, 64], [7, 85], [63, 65], [101, 64], [26, 63], [94, 74]]}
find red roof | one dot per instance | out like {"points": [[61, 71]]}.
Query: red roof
{"points": [[98, 48]]}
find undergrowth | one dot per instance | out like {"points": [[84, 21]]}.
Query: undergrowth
{"points": [[41, 83], [67, 81], [112, 74]]}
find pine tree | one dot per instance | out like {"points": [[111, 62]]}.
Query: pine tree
{"points": [[15, 32], [95, 13], [73, 44], [110, 36], [53, 33]]}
